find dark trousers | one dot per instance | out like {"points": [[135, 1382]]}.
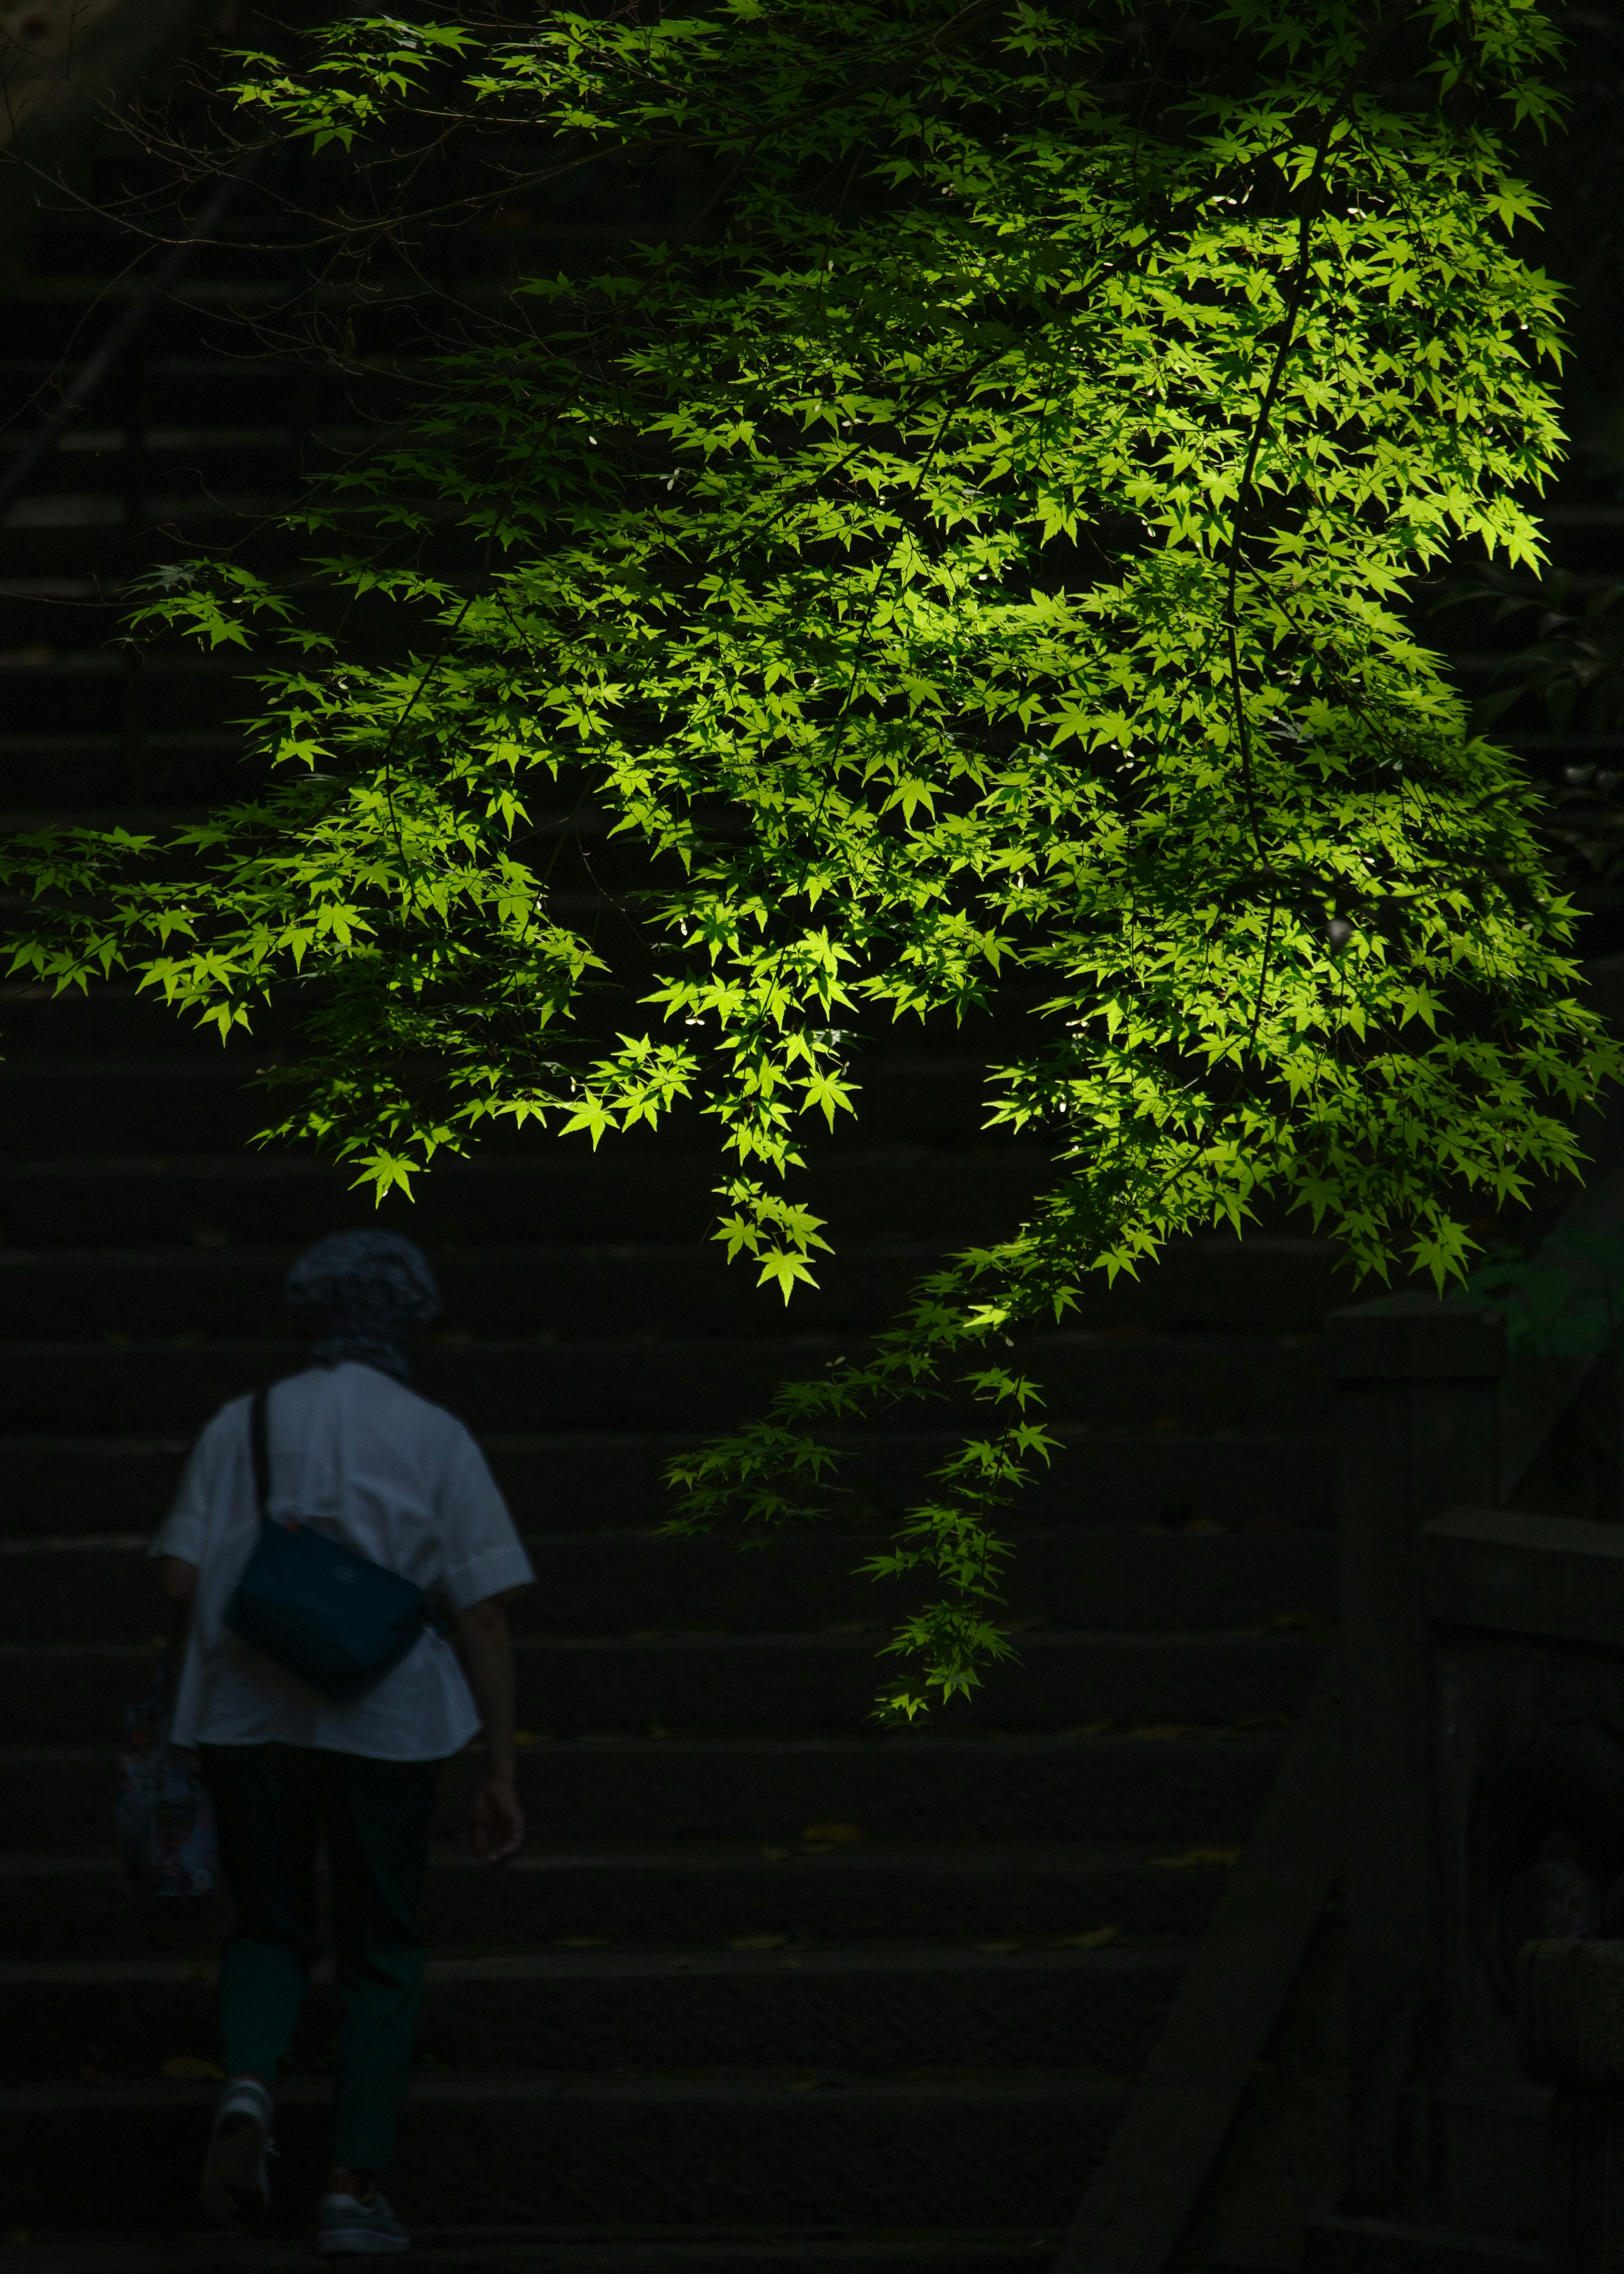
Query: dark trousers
{"points": [[276, 1805]]}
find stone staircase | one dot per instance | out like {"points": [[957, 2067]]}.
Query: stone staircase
{"points": [[768, 1988]]}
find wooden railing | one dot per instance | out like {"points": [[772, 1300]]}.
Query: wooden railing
{"points": [[1481, 1582], [1452, 1437]]}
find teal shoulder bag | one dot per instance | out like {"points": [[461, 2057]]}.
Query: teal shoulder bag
{"points": [[320, 1611]]}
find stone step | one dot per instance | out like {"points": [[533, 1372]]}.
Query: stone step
{"points": [[598, 2249], [23, 1000], [1188, 1382], [628, 1191], [1188, 1787], [56, 1486], [76, 1907], [205, 390], [114, 1020], [102, 1108], [93, 534], [561, 816], [88, 521], [788, 1684], [866, 2007], [44, 612], [1267, 1283], [574, 1479], [129, 462], [49, 692], [178, 770], [193, 1110], [771, 2147], [40, 611], [606, 1581], [186, 1100], [59, 301], [183, 1102], [56, 695]]}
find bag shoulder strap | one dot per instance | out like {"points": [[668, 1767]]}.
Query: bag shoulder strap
{"points": [[259, 1439]]}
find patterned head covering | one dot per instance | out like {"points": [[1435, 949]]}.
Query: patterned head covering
{"points": [[370, 1292]]}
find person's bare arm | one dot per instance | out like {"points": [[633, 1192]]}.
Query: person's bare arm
{"points": [[178, 1578], [486, 1651]]}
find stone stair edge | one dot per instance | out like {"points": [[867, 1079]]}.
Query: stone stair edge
{"points": [[857, 1960], [1311, 1247], [929, 2087], [1153, 1341], [218, 1067], [1001, 990], [1023, 1744], [473, 2250], [633, 1536], [713, 1642], [170, 364], [1183, 1784], [993, 1859], [258, 1168], [987, 2150], [537, 1444]]}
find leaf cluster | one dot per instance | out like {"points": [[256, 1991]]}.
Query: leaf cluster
{"points": [[973, 543]]}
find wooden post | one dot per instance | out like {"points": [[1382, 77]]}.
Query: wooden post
{"points": [[1416, 1384]]}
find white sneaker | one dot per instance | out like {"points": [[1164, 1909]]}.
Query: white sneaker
{"points": [[344, 2223], [236, 2183]]}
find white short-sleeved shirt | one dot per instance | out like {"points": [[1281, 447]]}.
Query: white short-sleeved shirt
{"points": [[357, 1456]]}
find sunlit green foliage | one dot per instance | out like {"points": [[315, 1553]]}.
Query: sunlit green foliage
{"points": [[975, 541]]}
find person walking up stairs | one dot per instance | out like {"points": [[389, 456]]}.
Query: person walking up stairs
{"points": [[347, 1451]]}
